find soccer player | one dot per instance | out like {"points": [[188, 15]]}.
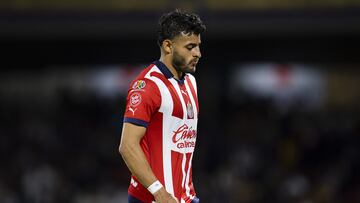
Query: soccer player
{"points": [[160, 122]]}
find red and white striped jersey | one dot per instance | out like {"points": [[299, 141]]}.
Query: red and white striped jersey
{"points": [[168, 108]]}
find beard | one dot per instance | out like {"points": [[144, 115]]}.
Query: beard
{"points": [[181, 65]]}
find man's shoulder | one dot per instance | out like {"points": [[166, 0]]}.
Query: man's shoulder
{"points": [[142, 83], [142, 80], [150, 71], [144, 72]]}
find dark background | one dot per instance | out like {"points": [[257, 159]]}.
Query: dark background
{"points": [[59, 133]]}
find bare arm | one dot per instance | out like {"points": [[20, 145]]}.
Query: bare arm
{"points": [[136, 161]]}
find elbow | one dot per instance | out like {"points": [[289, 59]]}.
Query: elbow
{"points": [[121, 149], [124, 149]]}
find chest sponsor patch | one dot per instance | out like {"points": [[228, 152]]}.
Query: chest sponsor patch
{"points": [[184, 137]]}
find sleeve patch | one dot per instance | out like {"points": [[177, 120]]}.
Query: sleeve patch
{"points": [[138, 85], [135, 99]]}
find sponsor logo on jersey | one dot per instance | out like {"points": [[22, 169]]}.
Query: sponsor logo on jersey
{"points": [[184, 137], [140, 84], [135, 99]]}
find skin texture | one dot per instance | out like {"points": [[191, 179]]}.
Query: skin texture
{"points": [[180, 55]]}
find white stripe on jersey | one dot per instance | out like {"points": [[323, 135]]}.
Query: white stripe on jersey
{"points": [[187, 182], [183, 170], [167, 165], [177, 88], [153, 69], [193, 82], [192, 99]]}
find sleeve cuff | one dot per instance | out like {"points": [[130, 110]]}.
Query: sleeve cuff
{"points": [[136, 122]]}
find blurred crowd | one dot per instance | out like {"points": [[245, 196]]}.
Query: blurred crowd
{"points": [[63, 152], [292, 157], [66, 151]]}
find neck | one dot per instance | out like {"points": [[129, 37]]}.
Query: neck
{"points": [[167, 62]]}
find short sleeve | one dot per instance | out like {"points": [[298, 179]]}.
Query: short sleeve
{"points": [[143, 100]]}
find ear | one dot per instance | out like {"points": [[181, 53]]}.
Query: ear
{"points": [[167, 46]]}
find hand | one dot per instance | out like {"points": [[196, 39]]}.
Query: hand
{"points": [[162, 196]]}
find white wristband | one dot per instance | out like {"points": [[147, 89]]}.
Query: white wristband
{"points": [[154, 187]]}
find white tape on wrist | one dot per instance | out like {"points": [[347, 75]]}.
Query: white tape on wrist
{"points": [[154, 187]]}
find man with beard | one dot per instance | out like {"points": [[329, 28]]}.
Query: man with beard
{"points": [[160, 121]]}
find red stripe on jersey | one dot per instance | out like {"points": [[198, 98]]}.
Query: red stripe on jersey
{"points": [[187, 165], [191, 185], [188, 156], [177, 159], [192, 89], [177, 110], [156, 155]]}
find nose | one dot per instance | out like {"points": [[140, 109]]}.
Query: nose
{"points": [[197, 52]]}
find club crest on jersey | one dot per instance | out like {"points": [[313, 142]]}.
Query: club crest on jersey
{"points": [[135, 99], [190, 110], [138, 85]]}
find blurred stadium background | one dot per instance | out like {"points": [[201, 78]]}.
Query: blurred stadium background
{"points": [[278, 84]]}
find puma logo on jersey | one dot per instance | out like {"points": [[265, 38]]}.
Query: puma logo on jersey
{"points": [[132, 110]]}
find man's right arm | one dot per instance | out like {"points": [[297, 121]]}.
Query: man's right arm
{"points": [[136, 161]]}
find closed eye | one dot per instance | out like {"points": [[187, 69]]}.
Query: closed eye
{"points": [[191, 46]]}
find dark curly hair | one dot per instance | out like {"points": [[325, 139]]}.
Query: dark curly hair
{"points": [[175, 22]]}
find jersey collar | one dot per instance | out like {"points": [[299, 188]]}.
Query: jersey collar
{"points": [[165, 70]]}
